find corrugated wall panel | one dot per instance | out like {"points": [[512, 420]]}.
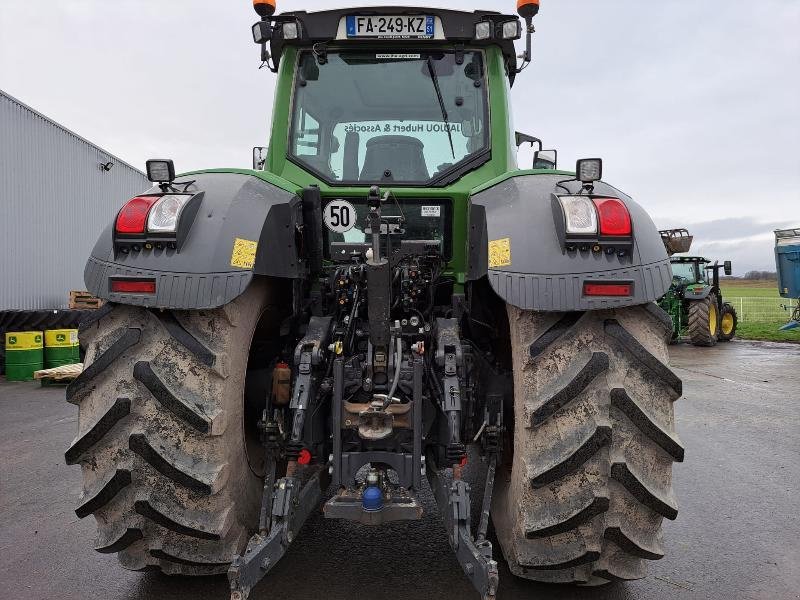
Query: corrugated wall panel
{"points": [[54, 203]]}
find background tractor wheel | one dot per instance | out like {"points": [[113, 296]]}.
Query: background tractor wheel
{"points": [[704, 321], [583, 499], [728, 323], [162, 439]]}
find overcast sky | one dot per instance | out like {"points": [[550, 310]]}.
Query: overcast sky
{"points": [[692, 104]]}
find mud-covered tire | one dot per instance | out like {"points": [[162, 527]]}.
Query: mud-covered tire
{"points": [[728, 323], [590, 481], [703, 327], [161, 440]]}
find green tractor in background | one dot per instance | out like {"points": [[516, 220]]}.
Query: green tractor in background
{"points": [[694, 300]]}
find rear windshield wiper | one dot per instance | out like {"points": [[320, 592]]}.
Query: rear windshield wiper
{"points": [[435, 79]]}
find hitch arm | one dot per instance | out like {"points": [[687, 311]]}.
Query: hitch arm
{"points": [[292, 504], [474, 555], [450, 359]]}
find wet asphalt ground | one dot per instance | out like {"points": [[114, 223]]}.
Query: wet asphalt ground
{"points": [[737, 535]]}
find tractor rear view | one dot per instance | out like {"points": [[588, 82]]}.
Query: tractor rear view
{"points": [[385, 290], [694, 300]]}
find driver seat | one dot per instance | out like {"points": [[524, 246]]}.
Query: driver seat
{"points": [[400, 154]]}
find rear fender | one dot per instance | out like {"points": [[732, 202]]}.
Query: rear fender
{"points": [[516, 222], [700, 293], [244, 227]]}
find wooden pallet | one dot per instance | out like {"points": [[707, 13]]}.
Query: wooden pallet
{"points": [[83, 301], [59, 375]]}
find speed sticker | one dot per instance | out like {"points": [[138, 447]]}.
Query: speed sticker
{"points": [[431, 211], [340, 216]]}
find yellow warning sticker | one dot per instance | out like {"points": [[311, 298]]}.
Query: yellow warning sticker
{"points": [[500, 253], [244, 254]]}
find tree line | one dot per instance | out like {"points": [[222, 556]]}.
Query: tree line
{"points": [[761, 275]]}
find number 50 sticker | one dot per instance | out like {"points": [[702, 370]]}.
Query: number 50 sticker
{"points": [[340, 216]]}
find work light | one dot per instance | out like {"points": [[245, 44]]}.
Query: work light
{"points": [[589, 170], [291, 31], [512, 30], [160, 171], [483, 30], [262, 32]]}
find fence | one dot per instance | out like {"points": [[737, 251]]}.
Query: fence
{"points": [[762, 310]]}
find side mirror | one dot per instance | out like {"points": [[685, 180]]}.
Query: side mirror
{"points": [[545, 159], [728, 268], [259, 158]]}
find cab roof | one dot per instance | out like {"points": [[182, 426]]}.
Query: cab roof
{"points": [[458, 28], [689, 259]]}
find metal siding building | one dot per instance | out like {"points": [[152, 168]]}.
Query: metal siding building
{"points": [[55, 200]]}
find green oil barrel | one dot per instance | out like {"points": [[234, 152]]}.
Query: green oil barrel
{"points": [[24, 354], [61, 348]]}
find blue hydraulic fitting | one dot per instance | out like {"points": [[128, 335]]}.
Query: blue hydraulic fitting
{"points": [[373, 499]]}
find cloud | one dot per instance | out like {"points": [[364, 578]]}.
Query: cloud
{"points": [[746, 255]]}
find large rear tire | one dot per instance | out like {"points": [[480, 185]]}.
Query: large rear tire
{"points": [[704, 321], [593, 445], [161, 435]]}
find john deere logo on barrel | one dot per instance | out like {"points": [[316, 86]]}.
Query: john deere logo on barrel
{"points": [[38, 339], [12, 340], [61, 337]]}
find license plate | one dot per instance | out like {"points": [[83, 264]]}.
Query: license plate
{"points": [[388, 26]]}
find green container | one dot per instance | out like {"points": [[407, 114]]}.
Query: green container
{"points": [[61, 348], [24, 355]]}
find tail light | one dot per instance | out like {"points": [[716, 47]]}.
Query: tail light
{"points": [[592, 217], [132, 219], [608, 289], [580, 215], [166, 213], [615, 220], [133, 286]]}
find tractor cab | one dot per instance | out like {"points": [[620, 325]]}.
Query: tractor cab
{"points": [[696, 275], [693, 273], [398, 97], [688, 270]]}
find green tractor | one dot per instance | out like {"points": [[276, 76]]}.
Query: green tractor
{"points": [[694, 300], [385, 297]]}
